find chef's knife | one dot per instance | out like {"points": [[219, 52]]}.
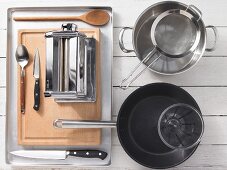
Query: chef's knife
{"points": [[58, 154], [36, 70]]}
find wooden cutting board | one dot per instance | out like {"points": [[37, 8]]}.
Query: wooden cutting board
{"points": [[36, 127]]}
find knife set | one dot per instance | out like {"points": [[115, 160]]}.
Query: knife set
{"points": [[70, 65]]}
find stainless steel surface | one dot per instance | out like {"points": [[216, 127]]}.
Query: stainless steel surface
{"points": [[175, 33], [41, 154], [130, 75], [106, 44], [60, 154], [36, 66], [22, 56], [199, 13], [121, 40], [62, 123], [66, 48], [215, 37], [143, 44], [71, 67]]}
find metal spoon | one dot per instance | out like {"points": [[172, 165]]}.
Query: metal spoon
{"points": [[22, 57]]}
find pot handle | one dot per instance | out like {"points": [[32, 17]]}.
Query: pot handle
{"points": [[121, 42], [72, 124], [215, 37], [194, 8], [147, 58]]}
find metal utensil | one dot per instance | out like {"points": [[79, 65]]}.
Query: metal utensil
{"points": [[22, 57], [175, 30], [58, 154], [137, 123], [36, 72], [70, 65], [94, 17]]}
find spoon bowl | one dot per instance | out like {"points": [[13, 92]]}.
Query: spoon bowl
{"points": [[96, 17], [22, 56]]}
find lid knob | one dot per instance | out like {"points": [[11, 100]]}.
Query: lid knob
{"points": [[69, 27]]}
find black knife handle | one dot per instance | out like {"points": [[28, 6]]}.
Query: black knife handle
{"points": [[88, 154], [36, 95]]}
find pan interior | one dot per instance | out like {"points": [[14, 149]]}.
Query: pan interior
{"points": [[143, 124], [175, 34], [140, 113]]}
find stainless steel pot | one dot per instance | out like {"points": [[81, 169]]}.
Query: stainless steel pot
{"points": [[177, 58]]}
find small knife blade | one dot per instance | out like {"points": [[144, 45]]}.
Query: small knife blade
{"points": [[59, 154], [36, 72]]}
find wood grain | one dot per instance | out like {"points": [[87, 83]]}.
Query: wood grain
{"points": [[36, 128], [205, 156], [203, 74], [22, 93], [93, 17], [211, 99], [209, 71]]}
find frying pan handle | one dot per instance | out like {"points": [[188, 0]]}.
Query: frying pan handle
{"points": [[194, 8], [146, 59], [215, 37], [121, 42], [69, 124]]}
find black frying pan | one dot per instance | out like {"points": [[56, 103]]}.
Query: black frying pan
{"points": [[137, 125]]}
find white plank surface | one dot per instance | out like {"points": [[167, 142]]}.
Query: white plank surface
{"points": [[205, 156], [3, 35], [2, 72], [2, 101], [126, 13], [206, 82], [204, 73]]}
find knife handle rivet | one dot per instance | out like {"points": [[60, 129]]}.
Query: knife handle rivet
{"points": [[36, 82], [74, 153], [87, 153], [36, 94], [100, 154]]}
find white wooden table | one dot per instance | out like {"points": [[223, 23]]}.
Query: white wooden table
{"points": [[206, 82]]}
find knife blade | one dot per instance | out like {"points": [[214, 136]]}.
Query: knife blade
{"points": [[36, 72], [60, 154]]}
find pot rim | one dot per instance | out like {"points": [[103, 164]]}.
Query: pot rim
{"points": [[188, 66]]}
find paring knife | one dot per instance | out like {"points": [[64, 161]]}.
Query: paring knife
{"points": [[58, 154], [36, 72]]}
